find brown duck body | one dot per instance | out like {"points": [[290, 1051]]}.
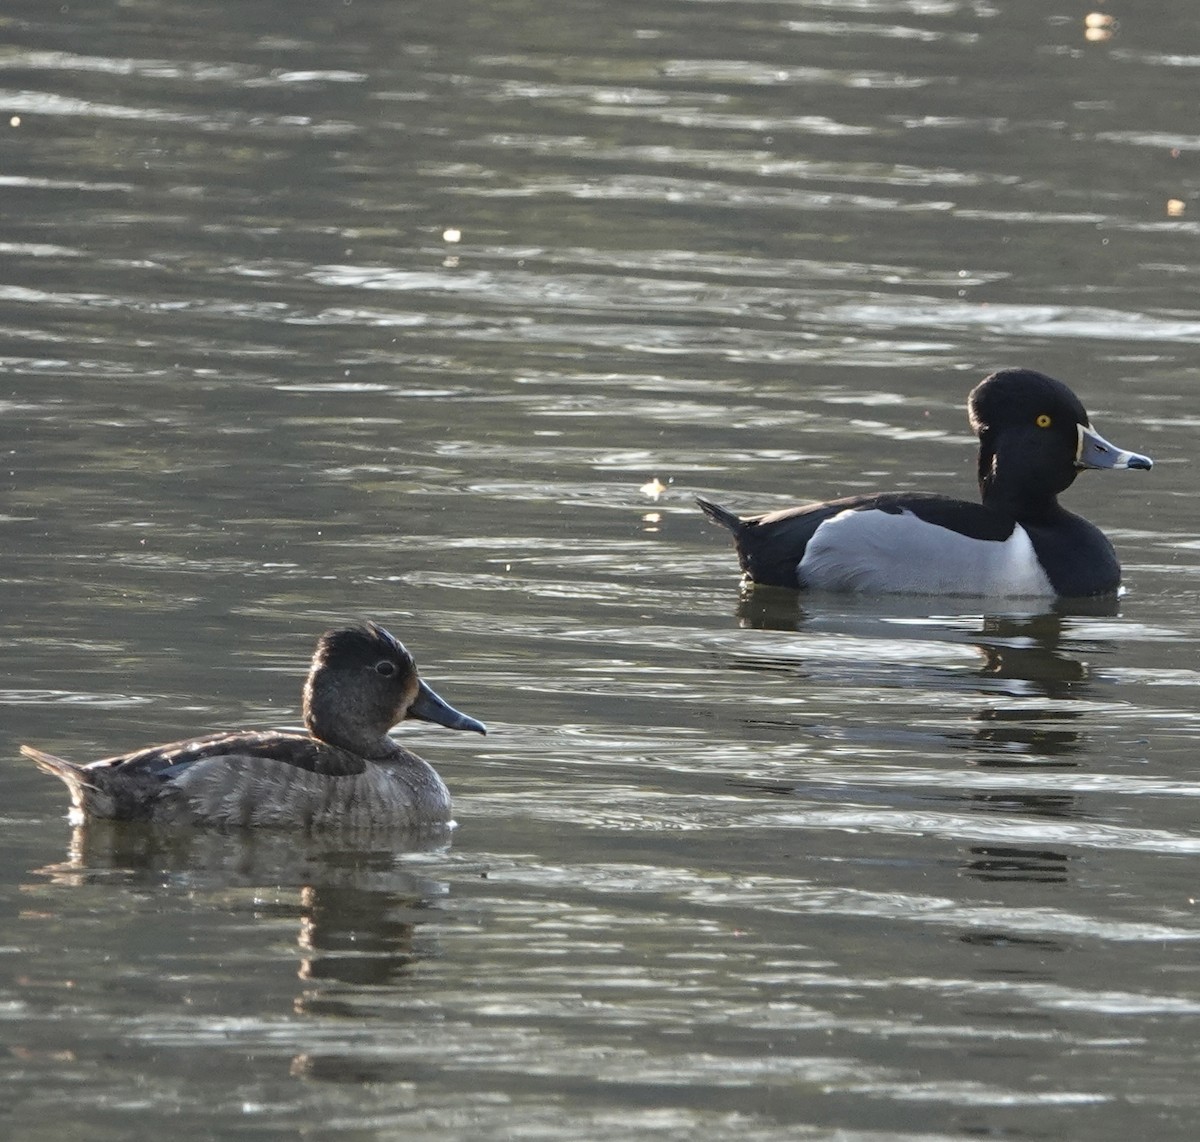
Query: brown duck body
{"points": [[346, 772], [260, 779]]}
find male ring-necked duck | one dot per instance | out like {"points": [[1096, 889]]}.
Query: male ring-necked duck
{"points": [[1034, 438], [346, 771]]}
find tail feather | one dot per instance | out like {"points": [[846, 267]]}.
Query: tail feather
{"points": [[721, 515], [67, 771]]}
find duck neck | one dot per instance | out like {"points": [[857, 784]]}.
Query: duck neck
{"points": [[336, 720], [1014, 491]]}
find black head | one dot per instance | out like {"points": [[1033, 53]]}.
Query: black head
{"points": [[362, 682], [1020, 398], [1032, 431]]}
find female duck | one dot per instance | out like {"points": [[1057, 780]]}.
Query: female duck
{"points": [[345, 771], [1034, 438]]}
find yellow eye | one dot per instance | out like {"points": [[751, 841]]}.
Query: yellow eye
{"points": [[1042, 421]]}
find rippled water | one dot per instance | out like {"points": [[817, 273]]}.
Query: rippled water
{"points": [[442, 314]]}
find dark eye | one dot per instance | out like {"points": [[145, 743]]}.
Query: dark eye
{"points": [[386, 667]]}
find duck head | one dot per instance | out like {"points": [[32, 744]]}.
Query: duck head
{"points": [[361, 683], [1035, 437]]}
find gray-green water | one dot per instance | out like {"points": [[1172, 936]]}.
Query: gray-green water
{"points": [[395, 310]]}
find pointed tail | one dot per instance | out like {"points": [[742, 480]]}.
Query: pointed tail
{"points": [[721, 515], [67, 771]]}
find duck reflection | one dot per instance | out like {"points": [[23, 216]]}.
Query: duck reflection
{"points": [[359, 911], [762, 607], [1031, 650], [1020, 739], [1038, 864], [1011, 940], [1030, 656], [359, 934], [1023, 654], [1015, 862], [1036, 659]]}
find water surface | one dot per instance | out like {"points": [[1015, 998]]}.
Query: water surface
{"points": [[441, 315]]}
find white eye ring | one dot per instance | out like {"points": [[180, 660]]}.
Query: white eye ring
{"points": [[386, 667]]}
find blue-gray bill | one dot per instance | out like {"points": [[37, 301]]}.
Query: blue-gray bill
{"points": [[430, 708], [1096, 452]]}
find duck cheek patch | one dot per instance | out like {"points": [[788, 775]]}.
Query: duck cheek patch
{"points": [[408, 697]]}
